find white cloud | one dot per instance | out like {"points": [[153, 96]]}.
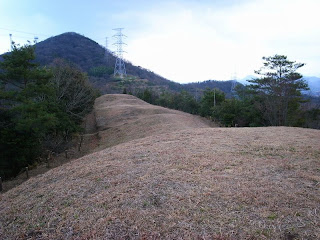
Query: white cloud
{"points": [[205, 42], [189, 40]]}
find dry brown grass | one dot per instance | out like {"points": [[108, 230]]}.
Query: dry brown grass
{"points": [[193, 183], [122, 118]]}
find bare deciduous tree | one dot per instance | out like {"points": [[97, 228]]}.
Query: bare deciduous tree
{"points": [[72, 89]]}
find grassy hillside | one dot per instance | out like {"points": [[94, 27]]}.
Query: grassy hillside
{"points": [[120, 118], [171, 176]]}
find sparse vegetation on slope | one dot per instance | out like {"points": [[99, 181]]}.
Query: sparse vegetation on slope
{"points": [[180, 182]]}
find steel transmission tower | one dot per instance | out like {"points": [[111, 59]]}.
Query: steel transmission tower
{"points": [[119, 67], [234, 83]]}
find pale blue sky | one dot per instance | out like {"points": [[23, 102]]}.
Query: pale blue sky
{"points": [[183, 41]]}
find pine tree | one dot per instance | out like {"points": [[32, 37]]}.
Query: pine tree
{"points": [[280, 87], [39, 109]]}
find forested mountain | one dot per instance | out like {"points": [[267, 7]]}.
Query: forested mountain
{"points": [[314, 85], [197, 88], [91, 57]]}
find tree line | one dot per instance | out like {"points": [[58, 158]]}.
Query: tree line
{"points": [[41, 108], [273, 99]]}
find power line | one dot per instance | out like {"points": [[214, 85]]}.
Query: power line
{"points": [[36, 36], [15, 36], [18, 31]]}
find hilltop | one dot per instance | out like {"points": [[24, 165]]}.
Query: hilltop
{"points": [[169, 175], [90, 57]]}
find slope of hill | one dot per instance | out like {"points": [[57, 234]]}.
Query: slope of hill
{"points": [[198, 87], [89, 55], [314, 85], [118, 118], [72, 47], [181, 181]]}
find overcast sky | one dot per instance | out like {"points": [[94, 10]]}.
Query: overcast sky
{"points": [[184, 41]]}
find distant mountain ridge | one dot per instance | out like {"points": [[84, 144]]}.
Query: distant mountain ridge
{"points": [[313, 82], [314, 85], [89, 55]]}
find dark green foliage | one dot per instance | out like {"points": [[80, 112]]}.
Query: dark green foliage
{"points": [[147, 95], [100, 71], [239, 112], [312, 118], [210, 100], [311, 112], [40, 109], [274, 99], [26, 116], [182, 101], [18, 67], [229, 112], [185, 102], [280, 89], [197, 88]]}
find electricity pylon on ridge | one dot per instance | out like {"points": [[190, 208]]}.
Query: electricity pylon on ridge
{"points": [[119, 67], [234, 83]]}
